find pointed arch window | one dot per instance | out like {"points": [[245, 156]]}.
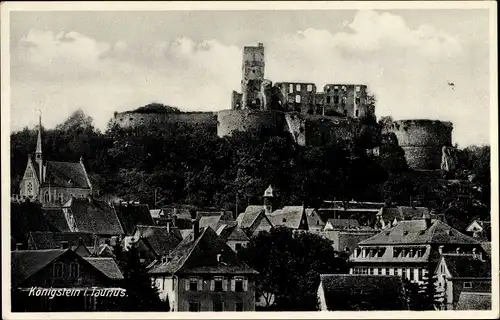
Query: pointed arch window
{"points": [[29, 188], [46, 196]]}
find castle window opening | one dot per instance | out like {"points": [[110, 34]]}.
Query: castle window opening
{"points": [[290, 89], [131, 119], [46, 197], [297, 87], [309, 87], [344, 100], [121, 119], [344, 88], [336, 87], [335, 99], [356, 114], [297, 98], [327, 99], [60, 198], [358, 88]]}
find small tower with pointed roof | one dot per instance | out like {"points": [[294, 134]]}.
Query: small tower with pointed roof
{"points": [[268, 199]]}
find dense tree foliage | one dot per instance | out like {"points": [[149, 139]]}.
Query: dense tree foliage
{"points": [[289, 265], [189, 164]]}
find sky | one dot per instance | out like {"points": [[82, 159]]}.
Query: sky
{"points": [[103, 62]]}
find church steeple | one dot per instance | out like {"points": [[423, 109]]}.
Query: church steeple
{"points": [[268, 199], [38, 151]]}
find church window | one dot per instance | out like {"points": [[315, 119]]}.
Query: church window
{"points": [[327, 99], [60, 197], [29, 174], [297, 87], [46, 197], [309, 87], [290, 89], [29, 188], [297, 98], [356, 114]]}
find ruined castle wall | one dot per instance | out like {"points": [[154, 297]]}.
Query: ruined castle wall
{"points": [[229, 121], [422, 141], [131, 119], [323, 129]]}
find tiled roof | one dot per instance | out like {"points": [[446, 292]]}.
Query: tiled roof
{"points": [[209, 221], [160, 238], [403, 213], [416, 232], [66, 174], [487, 248], [231, 232], [185, 232], [52, 240], [26, 217], [155, 213], [95, 216], [343, 223], [313, 218], [56, 218], [131, 215], [465, 266], [25, 263], [247, 218], [362, 292], [351, 239], [289, 216], [474, 301], [200, 255], [107, 266]]}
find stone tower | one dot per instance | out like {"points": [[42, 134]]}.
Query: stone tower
{"points": [[253, 76], [268, 200]]}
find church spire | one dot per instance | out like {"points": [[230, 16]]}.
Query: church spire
{"points": [[38, 151]]}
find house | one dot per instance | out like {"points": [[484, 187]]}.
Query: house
{"points": [[155, 242], [474, 301], [480, 230], [346, 292], [410, 249], [204, 274], [131, 214], [363, 212], [348, 240], [253, 220], [81, 243], [297, 218], [341, 224], [232, 234], [459, 273], [53, 182], [38, 275], [389, 216]]}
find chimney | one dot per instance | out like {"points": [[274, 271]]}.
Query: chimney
{"points": [[174, 221], [440, 249], [168, 225], [427, 219], [64, 244], [195, 223], [474, 253], [19, 246]]}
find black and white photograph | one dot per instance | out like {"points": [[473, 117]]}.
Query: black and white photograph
{"points": [[271, 158]]}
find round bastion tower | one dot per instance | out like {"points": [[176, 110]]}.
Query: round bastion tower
{"points": [[422, 141]]}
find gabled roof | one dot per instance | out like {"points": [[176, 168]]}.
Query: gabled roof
{"points": [[161, 239], [25, 263], [289, 216], [246, 219], [95, 216], [362, 292], [474, 301], [416, 232], [200, 256], [313, 218], [52, 240], [66, 174], [465, 266], [209, 221], [131, 215], [231, 232], [107, 266], [402, 213], [487, 248], [343, 223]]}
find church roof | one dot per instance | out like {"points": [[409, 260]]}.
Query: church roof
{"points": [[66, 174], [416, 232]]}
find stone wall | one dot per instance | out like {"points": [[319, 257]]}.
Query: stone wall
{"points": [[422, 141], [229, 121], [131, 119]]}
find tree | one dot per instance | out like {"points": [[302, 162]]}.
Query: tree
{"points": [[289, 265]]}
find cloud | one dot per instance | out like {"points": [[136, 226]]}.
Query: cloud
{"points": [[406, 67]]}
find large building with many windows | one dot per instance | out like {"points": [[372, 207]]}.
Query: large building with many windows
{"points": [[410, 249]]}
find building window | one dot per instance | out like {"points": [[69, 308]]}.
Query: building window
{"points": [[420, 253], [379, 271], [468, 285], [29, 188], [46, 196], [335, 87], [335, 99], [309, 87], [58, 270], [344, 100], [131, 119], [297, 87], [74, 270], [386, 271], [237, 247], [238, 284], [356, 113], [358, 88], [290, 89], [29, 174], [404, 273], [218, 284], [344, 88], [239, 306], [297, 98], [194, 306], [327, 99], [217, 305], [193, 284], [60, 198], [412, 274], [371, 270]]}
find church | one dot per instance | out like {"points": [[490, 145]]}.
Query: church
{"points": [[53, 182]]}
